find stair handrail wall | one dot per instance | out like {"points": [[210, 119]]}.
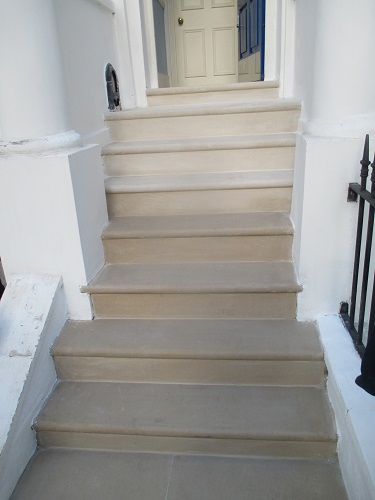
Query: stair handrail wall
{"points": [[355, 316]]}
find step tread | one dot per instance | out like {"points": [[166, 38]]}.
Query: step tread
{"points": [[237, 224], [201, 144], [232, 277], [199, 181], [205, 109], [198, 89], [175, 477], [219, 411], [191, 339]]}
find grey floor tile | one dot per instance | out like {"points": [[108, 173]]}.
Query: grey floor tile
{"points": [[209, 478], [58, 474]]}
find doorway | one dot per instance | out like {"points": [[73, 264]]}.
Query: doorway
{"points": [[210, 41]]}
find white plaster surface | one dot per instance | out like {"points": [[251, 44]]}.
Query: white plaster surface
{"points": [[149, 47], [87, 40], [32, 313], [333, 77], [325, 223], [130, 45], [354, 410], [287, 47], [272, 50], [32, 94], [52, 212]]}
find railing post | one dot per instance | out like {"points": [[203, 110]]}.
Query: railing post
{"points": [[365, 162], [366, 264], [367, 378]]}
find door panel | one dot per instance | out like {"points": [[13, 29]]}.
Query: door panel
{"points": [[224, 53], [194, 53], [192, 4], [206, 41]]}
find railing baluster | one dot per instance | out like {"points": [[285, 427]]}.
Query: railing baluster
{"points": [[366, 265], [365, 162], [367, 378]]}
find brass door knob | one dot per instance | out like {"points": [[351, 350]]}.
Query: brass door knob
{"points": [[180, 21]]}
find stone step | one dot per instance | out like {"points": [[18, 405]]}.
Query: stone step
{"points": [[200, 290], [171, 477], [276, 352], [199, 238], [223, 419], [213, 93], [204, 120], [208, 154], [178, 194]]}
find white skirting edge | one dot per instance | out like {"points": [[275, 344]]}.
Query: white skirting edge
{"points": [[40, 145], [354, 409]]}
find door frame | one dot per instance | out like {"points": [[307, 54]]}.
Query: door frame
{"points": [[278, 50]]}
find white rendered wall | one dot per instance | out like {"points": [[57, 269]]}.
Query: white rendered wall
{"points": [[32, 313], [87, 41], [272, 40], [333, 74], [52, 212], [130, 49], [324, 222], [333, 79], [32, 97]]}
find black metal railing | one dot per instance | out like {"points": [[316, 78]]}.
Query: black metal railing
{"points": [[360, 316]]}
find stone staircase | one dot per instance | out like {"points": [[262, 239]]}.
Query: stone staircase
{"points": [[194, 380]]}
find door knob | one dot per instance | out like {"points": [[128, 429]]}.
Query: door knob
{"points": [[180, 21]]}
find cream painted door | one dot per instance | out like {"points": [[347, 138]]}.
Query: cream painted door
{"points": [[205, 41]]}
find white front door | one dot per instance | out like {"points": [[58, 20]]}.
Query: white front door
{"points": [[205, 41]]}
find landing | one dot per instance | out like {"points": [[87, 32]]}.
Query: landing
{"points": [[81, 475]]}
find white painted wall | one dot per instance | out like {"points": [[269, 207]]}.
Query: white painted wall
{"points": [[87, 42], [149, 44], [324, 222], [130, 48], [272, 40], [32, 94], [33, 311], [52, 213], [333, 76]]}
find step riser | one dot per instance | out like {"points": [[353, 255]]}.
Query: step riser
{"points": [[208, 249], [200, 161], [200, 202], [204, 126], [195, 305], [208, 97], [208, 446], [190, 371]]}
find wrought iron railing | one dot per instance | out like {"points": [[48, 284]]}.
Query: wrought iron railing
{"points": [[360, 315]]}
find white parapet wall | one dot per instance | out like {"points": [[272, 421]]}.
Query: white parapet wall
{"points": [[33, 311], [52, 212], [354, 410]]}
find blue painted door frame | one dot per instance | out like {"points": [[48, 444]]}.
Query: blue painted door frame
{"points": [[251, 29]]}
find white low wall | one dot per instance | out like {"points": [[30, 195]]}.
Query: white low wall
{"points": [[33, 311], [52, 213], [354, 410]]}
